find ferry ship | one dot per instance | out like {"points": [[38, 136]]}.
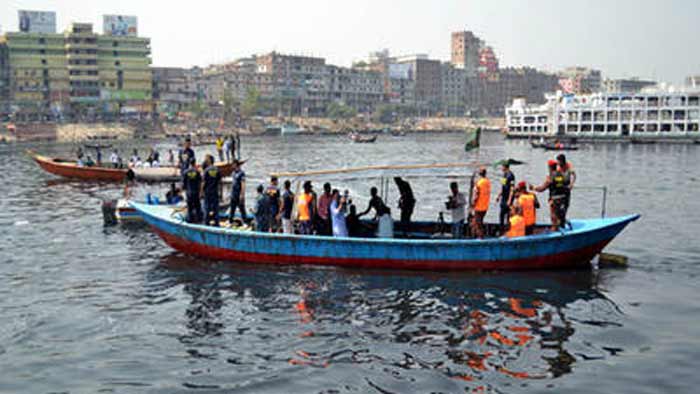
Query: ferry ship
{"points": [[652, 115]]}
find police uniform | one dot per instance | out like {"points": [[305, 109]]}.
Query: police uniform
{"points": [[558, 189], [192, 181], [212, 180], [236, 201]]}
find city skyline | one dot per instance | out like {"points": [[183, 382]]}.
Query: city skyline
{"points": [[541, 35]]}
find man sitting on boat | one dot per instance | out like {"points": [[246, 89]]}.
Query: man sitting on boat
{"points": [[385, 228]]}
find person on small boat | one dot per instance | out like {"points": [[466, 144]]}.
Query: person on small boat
{"points": [[98, 155], [273, 193], [192, 181], [323, 220], [129, 183], [220, 147], [262, 211], [337, 212], [407, 202], [227, 148], [480, 203], [212, 188], [556, 184], [385, 228], [529, 204], [79, 153], [566, 168], [171, 158], [89, 162], [516, 221], [305, 209], [174, 195], [287, 208], [114, 158], [457, 204], [238, 192], [505, 196]]}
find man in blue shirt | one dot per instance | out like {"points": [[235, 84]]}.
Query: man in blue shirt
{"points": [[238, 191], [186, 156], [212, 190]]}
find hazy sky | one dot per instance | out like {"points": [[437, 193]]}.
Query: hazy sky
{"points": [[624, 38]]}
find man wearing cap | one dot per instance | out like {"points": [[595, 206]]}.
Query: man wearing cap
{"points": [[505, 196], [238, 191], [557, 186]]}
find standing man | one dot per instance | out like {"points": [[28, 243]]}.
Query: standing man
{"points": [[529, 204], [232, 146], [273, 194], [567, 169], [323, 211], [505, 196], [457, 203], [186, 155], [407, 202], [287, 208], [480, 203], [238, 192], [227, 149], [262, 211], [192, 182], [556, 184], [212, 190], [98, 155], [305, 209], [220, 147], [114, 158]]}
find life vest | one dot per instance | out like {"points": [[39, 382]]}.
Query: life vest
{"points": [[303, 206], [517, 227], [484, 188], [558, 185], [527, 202]]}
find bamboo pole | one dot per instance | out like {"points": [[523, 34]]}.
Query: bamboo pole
{"points": [[376, 168]]}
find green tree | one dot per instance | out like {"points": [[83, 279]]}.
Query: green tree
{"points": [[251, 104]]}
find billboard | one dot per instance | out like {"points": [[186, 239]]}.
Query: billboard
{"points": [[120, 25], [37, 21]]}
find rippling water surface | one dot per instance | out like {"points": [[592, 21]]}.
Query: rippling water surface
{"points": [[88, 309]]}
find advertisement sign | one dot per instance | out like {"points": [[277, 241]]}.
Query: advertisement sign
{"points": [[37, 21], [400, 70], [120, 25]]}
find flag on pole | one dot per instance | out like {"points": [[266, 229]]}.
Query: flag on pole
{"points": [[473, 139]]}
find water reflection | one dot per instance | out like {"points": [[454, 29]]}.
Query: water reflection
{"points": [[466, 327]]}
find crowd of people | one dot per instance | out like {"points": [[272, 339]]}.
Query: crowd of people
{"points": [[332, 212]]}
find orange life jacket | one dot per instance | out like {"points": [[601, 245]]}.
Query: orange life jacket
{"points": [[527, 202], [517, 227], [303, 202], [484, 189]]}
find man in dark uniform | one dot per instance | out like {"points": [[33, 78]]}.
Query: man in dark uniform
{"points": [[407, 202], [212, 190], [238, 191], [505, 197], [558, 187], [186, 156], [192, 181]]}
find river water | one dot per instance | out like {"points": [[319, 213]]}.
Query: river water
{"points": [[88, 309]]}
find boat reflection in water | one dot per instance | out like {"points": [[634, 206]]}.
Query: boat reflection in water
{"points": [[479, 330]]}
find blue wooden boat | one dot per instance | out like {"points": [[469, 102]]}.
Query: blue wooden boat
{"points": [[571, 248]]}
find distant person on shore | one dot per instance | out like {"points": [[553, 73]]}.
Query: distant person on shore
{"points": [[212, 191], [238, 192], [557, 186], [407, 202], [529, 204], [505, 196], [192, 180], [480, 203], [385, 225], [114, 158], [273, 193], [262, 211], [220, 147], [457, 204], [337, 212], [305, 209], [323, 220], [287, 208]]}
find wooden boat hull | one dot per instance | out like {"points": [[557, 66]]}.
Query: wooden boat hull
{"points": [[71, 170], [568, 249]]}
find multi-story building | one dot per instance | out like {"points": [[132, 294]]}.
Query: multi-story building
{"points": [[693, 81], [453, 96], [174, 88], [632, 85], [580, 80], [427, 75], [77, 73], [359, 89], [4, 80], [466, 47]]}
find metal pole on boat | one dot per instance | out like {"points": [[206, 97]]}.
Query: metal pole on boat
{"points": [[605, 201]]}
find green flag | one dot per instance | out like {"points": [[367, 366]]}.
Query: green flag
{"points": [[473, 137]]}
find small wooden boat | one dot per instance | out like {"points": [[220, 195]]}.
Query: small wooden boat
{"points": [[559, 147], [172, 174], [356, 138], [569, 248], [70, 169]]}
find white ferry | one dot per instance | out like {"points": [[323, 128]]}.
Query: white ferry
{"points": [[651, 114]]}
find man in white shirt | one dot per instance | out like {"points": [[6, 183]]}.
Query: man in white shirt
{"points": [[457, 204], [114, 158]]}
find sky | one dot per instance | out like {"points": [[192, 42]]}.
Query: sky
{"points": [[623, 38]]}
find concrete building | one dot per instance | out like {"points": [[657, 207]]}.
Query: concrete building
{"points": [[174, 88], [453, 97], [427, 75], [580, 80], [466, 47], [359, 89], [632, 85], [693, 81], [78, 73], [4, 80]]}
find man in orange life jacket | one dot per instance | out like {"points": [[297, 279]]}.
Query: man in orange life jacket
{"points": [[529, 204], [480, 203], [517, 222], [557, 186]]}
